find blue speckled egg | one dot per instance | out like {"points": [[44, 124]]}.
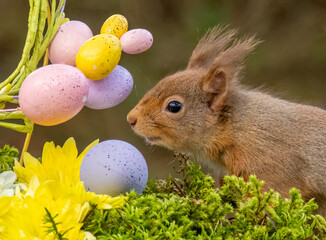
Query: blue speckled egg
{"points": [[114, 167]]}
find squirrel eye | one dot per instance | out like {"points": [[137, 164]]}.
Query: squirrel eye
{"points": [[174, 107]]}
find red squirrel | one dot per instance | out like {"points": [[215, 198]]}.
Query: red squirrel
{"points": [[205, 110]]}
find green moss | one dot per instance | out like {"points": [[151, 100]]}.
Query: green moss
{"points": [[7, 157], [192, 208]]}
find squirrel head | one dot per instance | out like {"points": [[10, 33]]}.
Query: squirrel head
{"points": [[191, 108]]}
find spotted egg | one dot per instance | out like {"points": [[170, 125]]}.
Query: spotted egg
{"points": [[114, 167], [111, 90], [99, 56], [67, 42], [116, 25], [53, 94], [136, 41]]}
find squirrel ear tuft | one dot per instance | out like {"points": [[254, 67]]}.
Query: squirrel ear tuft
{"points": [[210, 45], [219, 48], [224, 71]]}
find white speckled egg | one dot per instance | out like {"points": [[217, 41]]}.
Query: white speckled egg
{"points": [[114, 167], [136, 41], [53, 94], [67, 42], [111, 90]]}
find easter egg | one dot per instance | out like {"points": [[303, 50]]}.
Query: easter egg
{"points": [[136, 41], [116, 25], [67, 42], [99, 56], [111, 90], [53, 94], [114, 167]]}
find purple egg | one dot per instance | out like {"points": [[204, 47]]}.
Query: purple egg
{"points": [[111, 90], [114, 167]]}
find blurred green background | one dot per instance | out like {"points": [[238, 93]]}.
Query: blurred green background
{"points": [[291, 62]]}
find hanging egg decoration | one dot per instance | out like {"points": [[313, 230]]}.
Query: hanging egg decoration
{"points": [[53, 94], [99, 56], [111, 90], [116, 25], [67, 42]]}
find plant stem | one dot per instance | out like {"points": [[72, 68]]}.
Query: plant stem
{"points": [[31, 34], [36, 45], [25, 147], [45, 13]]}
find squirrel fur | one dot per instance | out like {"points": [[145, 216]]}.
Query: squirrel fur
{"points": [[205, 110]]}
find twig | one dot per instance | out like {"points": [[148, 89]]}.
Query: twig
{"points": [[128, 225], [179, 189], [271, 220], [89, 212], [10, 110]]}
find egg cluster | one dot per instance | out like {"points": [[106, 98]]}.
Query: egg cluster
{"points": [[84, 71]]}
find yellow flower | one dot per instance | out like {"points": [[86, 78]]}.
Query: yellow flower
{"points": [[5, 214], [52, 186], [105, 201], [67, 204], [28, 209], [61, 164]]}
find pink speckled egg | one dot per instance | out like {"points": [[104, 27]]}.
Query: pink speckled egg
{"points": [[111, 90], [67, 42], [136, 41], [53, 94]]}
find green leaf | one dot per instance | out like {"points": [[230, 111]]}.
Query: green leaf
{"points": [[8, 155]]}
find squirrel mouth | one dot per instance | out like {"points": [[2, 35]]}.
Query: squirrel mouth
{"points": [[153, 139]]}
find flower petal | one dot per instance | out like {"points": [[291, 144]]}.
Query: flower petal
{"points": [[82, 155], [69, 149], [9, 176], [88, 236], [7, 192]]}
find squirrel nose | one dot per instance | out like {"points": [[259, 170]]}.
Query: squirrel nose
{"points": [[132, 120]]}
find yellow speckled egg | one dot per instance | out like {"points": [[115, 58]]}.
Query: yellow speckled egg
{"points": [[116, 25], [98, 56]]}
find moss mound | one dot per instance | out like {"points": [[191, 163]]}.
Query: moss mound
{"points": [[192, 208]]}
